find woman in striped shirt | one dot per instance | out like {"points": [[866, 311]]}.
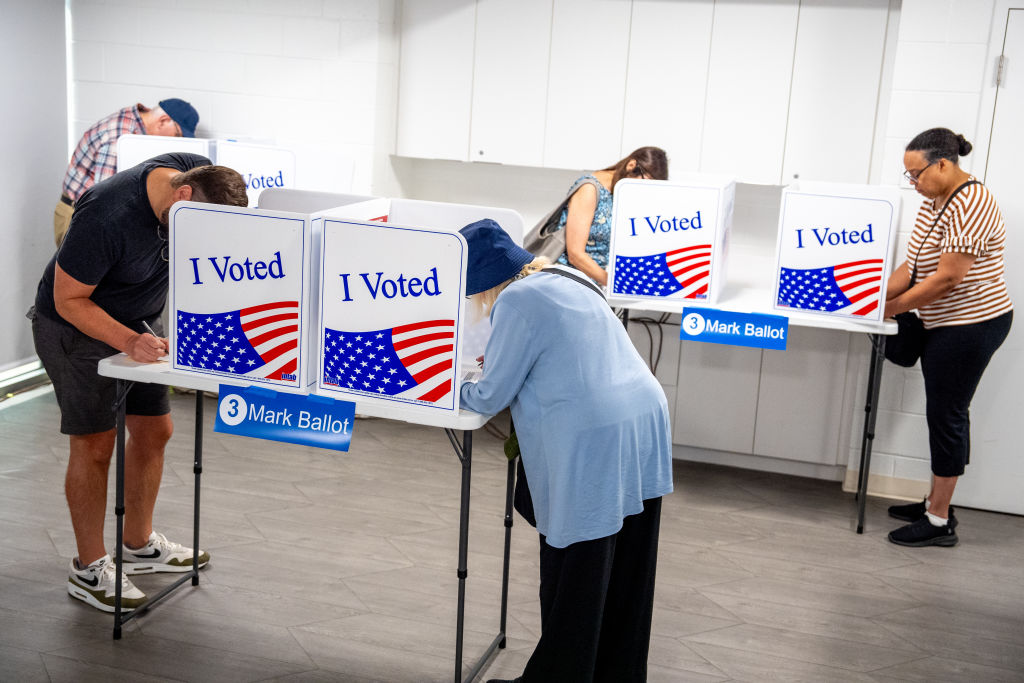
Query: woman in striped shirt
{"points": [[953, 276]]}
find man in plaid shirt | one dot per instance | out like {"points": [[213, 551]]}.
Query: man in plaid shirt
{"points": [[95, 158]]}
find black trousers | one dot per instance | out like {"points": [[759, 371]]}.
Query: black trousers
{"points": [[953, 361], [596, 600]]}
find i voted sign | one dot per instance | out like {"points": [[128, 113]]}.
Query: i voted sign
{"points": [[264, 414], [391, 313], [756, 330], [835, 250], [263, 167], [239, 280], [668, 239]]}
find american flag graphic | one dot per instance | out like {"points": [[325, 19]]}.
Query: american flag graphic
{"points": [[833, 289], [258, 341], [414, 361], [687, 270]]}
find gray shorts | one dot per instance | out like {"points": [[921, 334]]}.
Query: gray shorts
{"points": [[86, 399]]}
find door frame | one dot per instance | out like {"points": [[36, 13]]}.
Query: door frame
{"points": [[990, 92]]}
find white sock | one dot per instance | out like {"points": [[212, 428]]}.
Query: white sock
{"points": [[936, 520], [927, 503]]}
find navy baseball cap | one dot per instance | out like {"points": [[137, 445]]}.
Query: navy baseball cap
{"points": [[493, 256], [183, 114]]}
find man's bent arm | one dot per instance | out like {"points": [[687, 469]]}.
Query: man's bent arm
{"points": [[73, 303]]}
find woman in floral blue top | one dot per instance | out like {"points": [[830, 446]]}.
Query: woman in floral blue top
{"points": [[587, 219]]}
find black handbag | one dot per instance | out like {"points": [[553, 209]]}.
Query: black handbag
{"points": [[905, 347]]}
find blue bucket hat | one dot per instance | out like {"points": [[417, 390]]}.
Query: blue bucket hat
{"points": [[493, 256], [183, 114]]}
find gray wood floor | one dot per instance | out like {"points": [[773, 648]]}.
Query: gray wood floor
{"points": [[341, 567]]}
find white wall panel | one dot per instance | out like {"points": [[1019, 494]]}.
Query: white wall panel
{"points": [[834, 97], [435, 79], [586, 83], [513, 41], [667, 78], [32, 74], [748, 89]]}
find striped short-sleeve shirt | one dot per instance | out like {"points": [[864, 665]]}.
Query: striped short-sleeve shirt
{"points": [[971, 224]]}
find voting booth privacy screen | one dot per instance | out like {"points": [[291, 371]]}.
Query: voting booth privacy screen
{"points": [[263, 167], [391, 313], [133, 149], [239, 294], [835, 249], [669, 239]]}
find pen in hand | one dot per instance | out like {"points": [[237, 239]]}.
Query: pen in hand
{"points": [[150, 330]]}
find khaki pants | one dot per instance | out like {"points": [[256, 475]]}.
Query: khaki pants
{"points": [[61, 221]]}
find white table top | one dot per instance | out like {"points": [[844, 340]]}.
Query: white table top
{"points": [[122, 367], [749, 287]]}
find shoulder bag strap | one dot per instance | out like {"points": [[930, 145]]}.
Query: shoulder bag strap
{"points": [[582, 280], [913, 273]]}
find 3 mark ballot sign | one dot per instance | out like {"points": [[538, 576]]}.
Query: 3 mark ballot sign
{"points": [[263, 414], [391, 313], [669, 239], [238, 294], [835, 249]]}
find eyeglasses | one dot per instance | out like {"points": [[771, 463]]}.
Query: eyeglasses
{"points": [[913, 177], [641, 171]]}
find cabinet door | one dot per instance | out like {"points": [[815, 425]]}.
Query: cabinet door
{"points": [[716, 397], [513, 42], [586, 82], [839, 51], [800, 397], [749, 75], [666, 79], [435, 79]]}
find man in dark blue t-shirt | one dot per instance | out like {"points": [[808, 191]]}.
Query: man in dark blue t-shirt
{"points": [[102, 290]]}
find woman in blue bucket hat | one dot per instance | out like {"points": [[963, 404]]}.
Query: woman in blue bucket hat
{"points": [[593, 429]]}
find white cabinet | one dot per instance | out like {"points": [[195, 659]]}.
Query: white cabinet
{"points": [[586, 83], [836, 73], [435, 76], [748, 79], [800, 397], [764, 91], [780, 404], [510, 77], [667, 78], [716, 397]]}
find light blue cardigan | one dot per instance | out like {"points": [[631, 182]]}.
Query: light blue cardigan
{"points": [[592, 420]]}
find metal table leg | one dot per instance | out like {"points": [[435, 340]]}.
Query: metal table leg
{"points": [[121, 392], [870, 416], [464, 451], [119, 618]]}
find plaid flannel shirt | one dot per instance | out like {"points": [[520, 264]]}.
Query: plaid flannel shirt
{"points": [[95, 158]]}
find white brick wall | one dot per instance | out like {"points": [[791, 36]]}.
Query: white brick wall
{"points": [[315, 76]]}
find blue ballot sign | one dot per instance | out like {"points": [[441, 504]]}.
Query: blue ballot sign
{"points": [[308, 420], [757, 330]]}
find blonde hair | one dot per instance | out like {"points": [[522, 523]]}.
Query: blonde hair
{"points": [[482, 302]]}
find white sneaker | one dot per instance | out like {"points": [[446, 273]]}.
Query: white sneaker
{"points": [[161, 555], [95, 585]]}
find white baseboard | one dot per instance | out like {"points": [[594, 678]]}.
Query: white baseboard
{"points": [[887, 487], [760, 463]]}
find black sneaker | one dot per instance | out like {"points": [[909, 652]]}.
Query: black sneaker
{"points": [[910, 512], [923, 533]]}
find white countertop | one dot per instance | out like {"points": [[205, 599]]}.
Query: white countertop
{"points": [[122, 367], [749, 286]]}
